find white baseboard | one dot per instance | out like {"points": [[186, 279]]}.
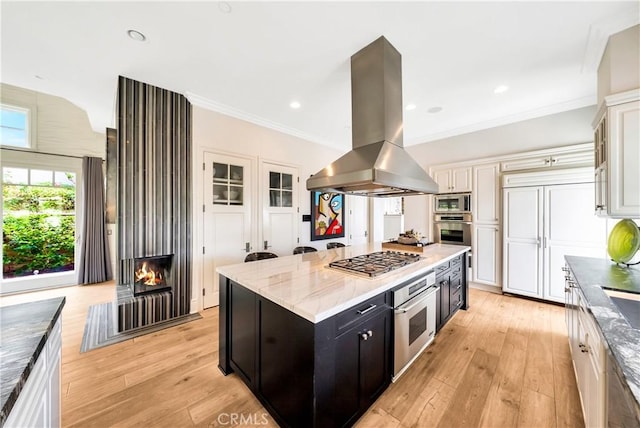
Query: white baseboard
{"points": [[484, 287]]}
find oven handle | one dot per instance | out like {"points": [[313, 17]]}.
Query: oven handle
{"points": [[453, 221], [427, 293]]}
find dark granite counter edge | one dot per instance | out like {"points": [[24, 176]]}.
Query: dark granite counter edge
{"points": [[13, 397], [612, 325]]}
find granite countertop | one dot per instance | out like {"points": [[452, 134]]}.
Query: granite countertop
{"points": [[24, 330], [305, 285], [592, 275]]}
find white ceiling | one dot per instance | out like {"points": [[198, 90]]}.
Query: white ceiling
{"points": [[252, 62]]}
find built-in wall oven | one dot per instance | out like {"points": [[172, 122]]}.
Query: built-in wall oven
{"points": [[414, 320], [452, 228], [452, 203]]}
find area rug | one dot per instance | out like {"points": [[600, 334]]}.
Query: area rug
{"points": [[100, 331]]}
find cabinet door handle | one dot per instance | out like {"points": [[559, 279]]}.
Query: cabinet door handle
{"points": [[546, 160], [599, 207], [364, 336], [369, 309], [369, 333]]}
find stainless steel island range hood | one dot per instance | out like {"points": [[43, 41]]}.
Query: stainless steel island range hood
{"points": [[378, 164]]}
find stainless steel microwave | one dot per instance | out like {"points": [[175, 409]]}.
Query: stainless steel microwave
{"points": [[452, 203]]}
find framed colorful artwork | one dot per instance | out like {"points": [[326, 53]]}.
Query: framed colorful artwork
{"points": [[327, 215]]}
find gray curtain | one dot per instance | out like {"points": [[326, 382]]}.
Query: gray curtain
{"points": [[95, 264]]}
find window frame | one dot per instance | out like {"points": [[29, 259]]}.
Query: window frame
{"points": [[20, 159], [30, 128]]}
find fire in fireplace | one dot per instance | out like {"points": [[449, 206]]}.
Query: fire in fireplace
{"points": [[152, 274]]}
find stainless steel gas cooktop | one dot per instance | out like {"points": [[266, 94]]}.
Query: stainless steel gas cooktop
{"points": [[375, 264]]}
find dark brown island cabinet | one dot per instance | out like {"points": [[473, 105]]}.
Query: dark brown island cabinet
{"points": [[308, 375]]}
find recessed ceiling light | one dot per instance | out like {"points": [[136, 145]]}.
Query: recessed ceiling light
{"points": [[294, 104], [224, 7], [501, 89], [410, 107], [434, 110], [136, 35]]}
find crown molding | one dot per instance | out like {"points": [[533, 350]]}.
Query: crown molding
{"points": [[208, 104], [599, 34], [506, 120]]}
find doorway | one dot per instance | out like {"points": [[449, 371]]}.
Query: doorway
{"points": [[39, 219]]}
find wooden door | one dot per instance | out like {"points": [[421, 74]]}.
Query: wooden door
{"points": [[522, 263], [279, 197], [227, 217], [570, 228]]}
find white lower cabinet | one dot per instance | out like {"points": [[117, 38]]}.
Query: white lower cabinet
{"points": [[486, 254], [541, 225], [588, 354], [38, 404]]}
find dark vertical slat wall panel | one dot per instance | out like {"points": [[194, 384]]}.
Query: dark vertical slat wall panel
{"points": [[154, 182]]}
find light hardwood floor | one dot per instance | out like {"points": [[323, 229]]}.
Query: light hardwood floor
{"points": [[503, 363]]}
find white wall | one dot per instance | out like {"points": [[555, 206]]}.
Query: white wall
{"points": [[61, 126], [215, 132], [561, 129], [619, 68]]}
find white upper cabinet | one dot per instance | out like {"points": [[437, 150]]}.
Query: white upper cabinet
{"points": [[486, 197], [453, 180], [617, 154], [570, 158]]}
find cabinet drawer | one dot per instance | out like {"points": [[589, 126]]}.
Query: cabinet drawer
{"points": [[442, 268], [456, 270], [345, 319], [455, 285], [456, 261], [456, 300]]}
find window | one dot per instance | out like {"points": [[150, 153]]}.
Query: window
{"points": [[38, 222], [15, 123], [394, 206]]}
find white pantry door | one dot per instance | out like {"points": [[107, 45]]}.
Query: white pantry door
{"points": [[358, 231], [227, 218], [571, 228], [279, 196], [522, 240]]}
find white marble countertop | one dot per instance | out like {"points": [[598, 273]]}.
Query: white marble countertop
{"points": [[306, 286]]}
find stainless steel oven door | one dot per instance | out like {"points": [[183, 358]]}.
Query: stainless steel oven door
{"points": [[414, 328], [452, 232]]}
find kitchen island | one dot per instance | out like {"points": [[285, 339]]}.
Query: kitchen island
{"points": [[314, 344]]}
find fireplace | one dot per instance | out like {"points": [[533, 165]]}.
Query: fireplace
{"points": [[152, 274]]}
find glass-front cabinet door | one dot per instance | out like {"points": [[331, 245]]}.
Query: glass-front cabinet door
{"points": [[280, 189], [279, 198], [228, 184]]}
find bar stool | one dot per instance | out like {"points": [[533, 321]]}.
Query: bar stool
{"points": [[331, 245], [302, 250], [260, 255]]}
